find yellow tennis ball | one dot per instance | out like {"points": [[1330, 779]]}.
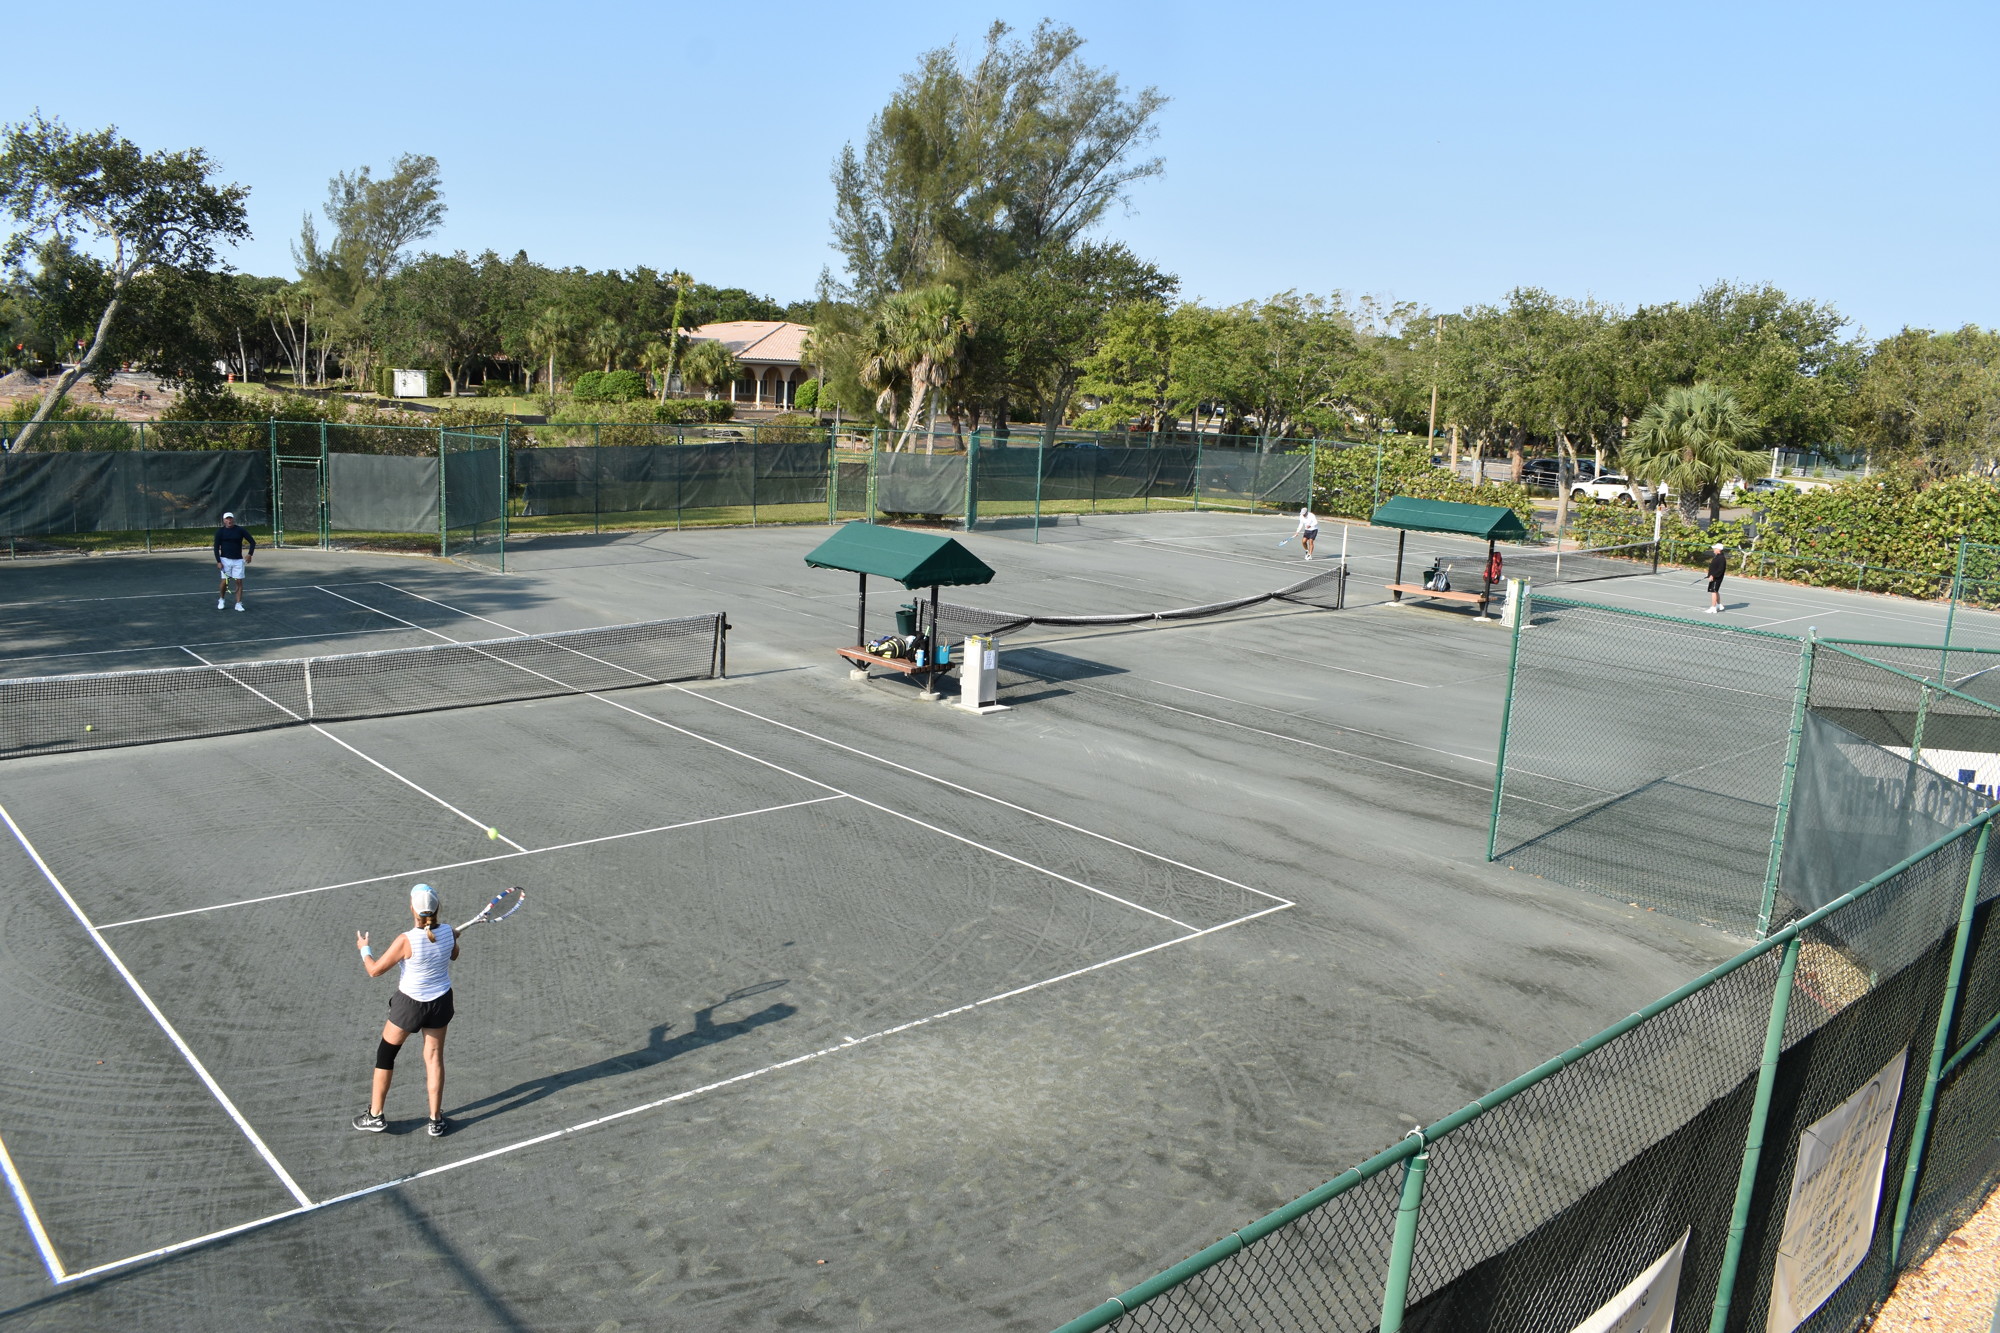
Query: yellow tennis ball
{"points": [[493, 833], [88, 727]]}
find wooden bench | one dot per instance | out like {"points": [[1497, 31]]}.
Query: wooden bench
{"points": [[864, 659], [1479, 599]]}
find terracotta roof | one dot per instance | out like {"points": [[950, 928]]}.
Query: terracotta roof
{"points": [[760, 340]]}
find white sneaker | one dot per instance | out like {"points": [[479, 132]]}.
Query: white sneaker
{"points": [[219, 603], [239, 606]]}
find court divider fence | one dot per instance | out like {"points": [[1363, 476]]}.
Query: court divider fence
{"points": [[1765, 1147], [463, 491]]}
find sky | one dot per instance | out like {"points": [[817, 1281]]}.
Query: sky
{"points": [[1440, 154]]}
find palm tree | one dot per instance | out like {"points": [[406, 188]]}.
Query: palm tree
{"points": [[550, 336], [929, 331], [681, 282], [605, 342], [1693, 441], [709, 364], [656, 357]]}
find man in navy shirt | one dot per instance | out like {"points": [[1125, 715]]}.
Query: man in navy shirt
{"points": [[233, 548]]}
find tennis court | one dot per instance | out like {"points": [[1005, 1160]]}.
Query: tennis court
{"points": [[829, 1009]]}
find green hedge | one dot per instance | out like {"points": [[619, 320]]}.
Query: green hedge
{"points": [[609, 386], [1895, 533]]}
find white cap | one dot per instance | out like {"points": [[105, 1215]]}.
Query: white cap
{"points": [[424, 899], [227, 514], [1718, 547]]}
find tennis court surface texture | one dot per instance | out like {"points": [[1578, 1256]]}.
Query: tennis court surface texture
{"points": [[830, 1008]]}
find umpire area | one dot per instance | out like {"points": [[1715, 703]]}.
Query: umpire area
{"points": [[829, 1008]]}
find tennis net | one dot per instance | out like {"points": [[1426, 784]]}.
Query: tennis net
{"points": [[1585, 565], [1327, 591], [49, 714]]}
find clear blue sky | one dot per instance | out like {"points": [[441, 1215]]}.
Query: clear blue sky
{"points": [[1438, 153]]}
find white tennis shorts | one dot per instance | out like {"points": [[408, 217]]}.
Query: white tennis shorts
{"points": [[232, 569]]}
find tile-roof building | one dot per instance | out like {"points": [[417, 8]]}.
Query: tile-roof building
{"points": [[770, 352]]}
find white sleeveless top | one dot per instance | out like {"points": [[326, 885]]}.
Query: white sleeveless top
{"points": [[427, 971]]}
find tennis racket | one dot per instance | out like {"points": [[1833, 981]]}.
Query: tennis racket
{"points": [[1288, 540], [504, 904]]}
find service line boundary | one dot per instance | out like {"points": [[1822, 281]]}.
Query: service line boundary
{"points": [[687, 1094]]}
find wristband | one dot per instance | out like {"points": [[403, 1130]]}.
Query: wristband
{"points": [[367, 952]]}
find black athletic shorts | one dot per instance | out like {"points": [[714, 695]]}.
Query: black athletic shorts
{"points": [[1715, 583], [416, 1015]]}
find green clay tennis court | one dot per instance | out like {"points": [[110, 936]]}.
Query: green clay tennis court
{"points": [[830, 1008]]}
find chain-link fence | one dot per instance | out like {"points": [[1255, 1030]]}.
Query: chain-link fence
{"points": [[1643, 757], [462, 491], [1764, 1148]]}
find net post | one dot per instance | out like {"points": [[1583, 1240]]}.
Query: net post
{"points": [[1403, 1247], [1913, 1163], [1768, 903], [719, 665], [1753, 1139], [1506, 709]]}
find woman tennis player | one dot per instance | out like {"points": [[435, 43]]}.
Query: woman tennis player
{"points": [[422, 1003]]}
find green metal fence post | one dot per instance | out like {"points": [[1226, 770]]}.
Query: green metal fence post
{"points": [[277, 506], [832, 476], [1521, 615], [1041, 463], [1753, 1139], [1913, 1163], [1403, 1249], [506, 486], [319, 492], [971, 481], [444, 520], [1951, 610], [1377, 504], [1785, 781], [1312, 473], [1197, 478]]}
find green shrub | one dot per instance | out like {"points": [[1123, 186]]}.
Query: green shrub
{"points": [[792, 428], [496, 389], [609, 386], [694, 411], [807, 397]]}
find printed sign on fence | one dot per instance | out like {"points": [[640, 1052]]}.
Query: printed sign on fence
{"points": [[1836, 1188], [1647, 1305]]}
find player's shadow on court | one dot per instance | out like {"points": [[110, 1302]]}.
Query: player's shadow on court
{"points": [[658, 1049]]}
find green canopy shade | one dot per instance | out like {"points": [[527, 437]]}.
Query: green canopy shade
{"points": [[1486, 522], [913, 559]]}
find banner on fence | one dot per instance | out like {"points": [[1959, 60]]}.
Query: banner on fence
{"points": [[382, 493], [1836, 1188], [1647, 1305]]}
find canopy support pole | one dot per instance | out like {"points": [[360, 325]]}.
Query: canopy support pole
{"points": [[861, 616], [1400, 536], [1486, 580], [931, 658]]}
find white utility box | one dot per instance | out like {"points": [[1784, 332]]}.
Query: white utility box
{"points": [[979, 674], [413, 383]]}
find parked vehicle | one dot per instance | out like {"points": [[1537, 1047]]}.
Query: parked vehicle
{"points": [[1612, 487], [1548, 471]]}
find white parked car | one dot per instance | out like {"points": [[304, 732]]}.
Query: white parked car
{"points": [[1623, 490], [1610, 486]]}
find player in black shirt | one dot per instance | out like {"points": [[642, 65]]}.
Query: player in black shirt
{"points": [[1718, 565], [234, 547]]}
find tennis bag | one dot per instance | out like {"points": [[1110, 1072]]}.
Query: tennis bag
{"points": [[889, 645], [1438, 578]]}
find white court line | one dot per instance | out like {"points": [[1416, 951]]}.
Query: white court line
{"points": [[479, 824], [1057, 875], [187, 1052], [551, 1136], [36, 1230], [199, 643], [874, 805], [265, 588], [476, 861]]}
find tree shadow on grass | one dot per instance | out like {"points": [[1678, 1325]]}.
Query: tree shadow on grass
{"points": [[658, 1049]]}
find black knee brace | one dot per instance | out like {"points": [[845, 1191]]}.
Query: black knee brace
{"points": [[385, 1055]]}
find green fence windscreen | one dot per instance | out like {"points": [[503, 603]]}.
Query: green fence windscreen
{"points": [[382, 493], [131, 491]]}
